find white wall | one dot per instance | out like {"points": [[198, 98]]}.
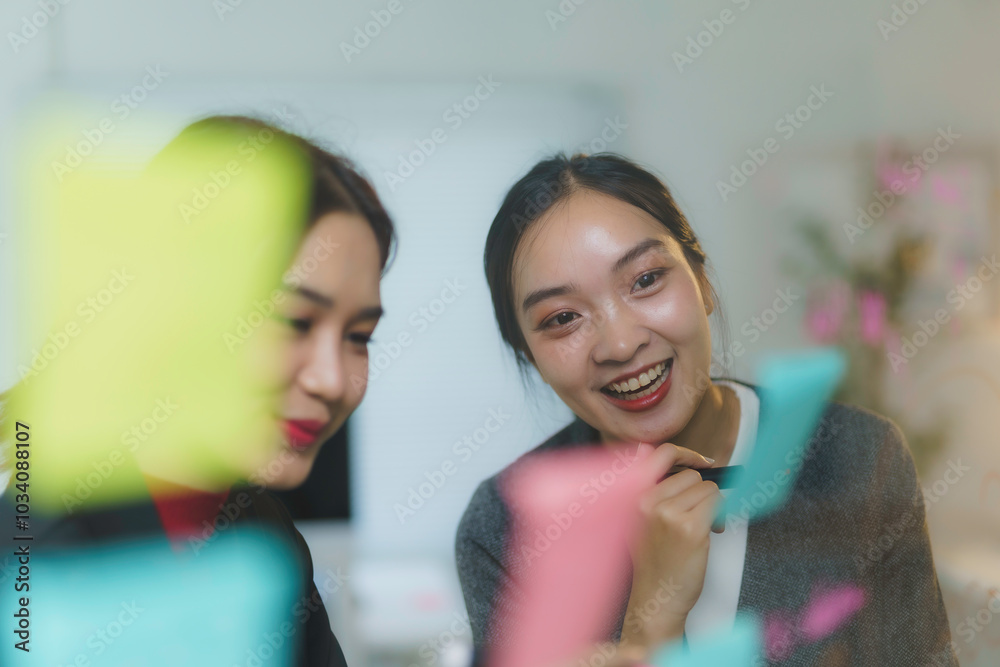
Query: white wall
{"points": [[936, 70]]}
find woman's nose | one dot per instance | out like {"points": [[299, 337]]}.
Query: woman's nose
{"points": [[619, 336], [322, 375]]}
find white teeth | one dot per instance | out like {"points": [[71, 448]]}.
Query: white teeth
{"points": [[651, 379]]}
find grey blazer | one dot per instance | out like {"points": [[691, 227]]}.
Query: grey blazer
{"points": [[855, 515]]}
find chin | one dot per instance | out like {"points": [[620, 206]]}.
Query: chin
{"points": [[287, 471], [655, 431], [287, 481]]}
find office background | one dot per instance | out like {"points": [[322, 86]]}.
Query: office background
{"points": [[762, 117]]}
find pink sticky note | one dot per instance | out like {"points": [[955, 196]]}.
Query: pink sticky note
{"points": [[574, 512], [829, 609]]}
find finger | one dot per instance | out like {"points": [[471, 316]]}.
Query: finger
{"points": [[667, 455], [705, 510], [671, 487], [692, 496], [691, 459]]}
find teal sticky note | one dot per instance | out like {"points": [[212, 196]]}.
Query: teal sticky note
{"points": [[737, 647], [141, 604], [794, 390]]}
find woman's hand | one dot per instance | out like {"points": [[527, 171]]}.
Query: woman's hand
{"points": [[670, 552]]}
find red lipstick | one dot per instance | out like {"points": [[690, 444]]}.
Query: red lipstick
{"points": [[302, 433], [648, 401]]}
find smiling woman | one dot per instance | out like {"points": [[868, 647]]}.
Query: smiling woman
{"points": [[646, 272], [600, 285]]}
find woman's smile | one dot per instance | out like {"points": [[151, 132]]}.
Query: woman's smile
{"points": [[301, 434], [640, 391]]}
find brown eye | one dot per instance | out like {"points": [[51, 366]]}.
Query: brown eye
{"points": [[562, 319], [647, 280], [361, 338], [300, 325]]}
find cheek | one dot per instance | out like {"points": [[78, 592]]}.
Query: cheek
{"points": [[295, 356], [562, 363], [678, 315]]}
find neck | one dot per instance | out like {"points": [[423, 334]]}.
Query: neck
{"points": [[714, 426]]}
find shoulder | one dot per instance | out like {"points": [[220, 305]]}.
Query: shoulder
{"points": [[860, 454], [849, 430], [258, 506], [484, 523]]}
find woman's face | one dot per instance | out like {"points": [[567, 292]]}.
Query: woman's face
{"points": [[332, 307], [615, 319]]}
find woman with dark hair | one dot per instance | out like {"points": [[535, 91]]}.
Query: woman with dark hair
{"points": [[599, 283], [329, 311], [332, 308]]}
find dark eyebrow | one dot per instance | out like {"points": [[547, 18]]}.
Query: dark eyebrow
{"points": [[636, 252], [542, 294], [369, 313], [315, 297]]}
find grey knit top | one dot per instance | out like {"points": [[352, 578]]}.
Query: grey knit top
{"points": [[854, 516]]}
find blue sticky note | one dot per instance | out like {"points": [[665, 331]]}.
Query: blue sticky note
{"points": [[738, 647], [140, 604], [794, 390]]}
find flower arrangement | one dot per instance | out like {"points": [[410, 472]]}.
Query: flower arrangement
{"points": [[857, 302]]}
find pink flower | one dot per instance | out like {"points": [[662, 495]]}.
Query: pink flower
{"points": [[892, 178], [894, 350], [947, 192], [872, 307], [825, 316]]}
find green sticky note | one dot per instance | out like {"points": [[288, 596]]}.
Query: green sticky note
{"points": [[138, 286]]}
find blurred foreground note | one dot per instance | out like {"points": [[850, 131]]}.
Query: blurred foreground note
{"points": [[141, 605], [738, 647], [574, 512], [794, 390], [129, 307]]}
